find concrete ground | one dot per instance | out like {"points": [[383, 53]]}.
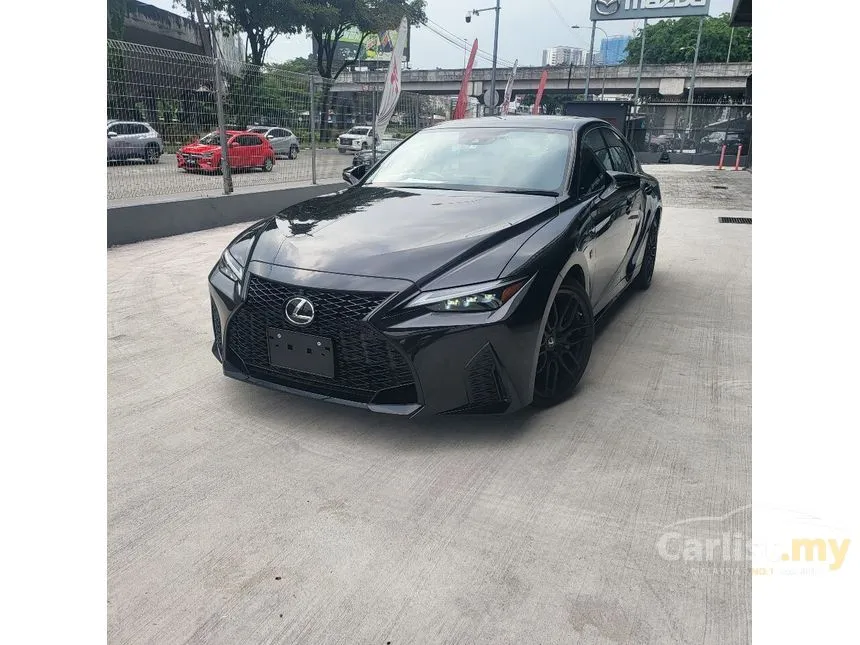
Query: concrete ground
{"points": [[241, 515]]}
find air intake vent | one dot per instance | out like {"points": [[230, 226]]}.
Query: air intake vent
{"points": [[736, 220]]}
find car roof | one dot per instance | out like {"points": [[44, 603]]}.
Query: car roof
{"points": [[521, 121]]}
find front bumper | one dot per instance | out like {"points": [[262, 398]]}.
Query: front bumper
{"points": [[431, 363], [197, 162]]}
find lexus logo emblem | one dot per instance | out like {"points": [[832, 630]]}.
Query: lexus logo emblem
{"points": [[606, 7], [299, 311]]}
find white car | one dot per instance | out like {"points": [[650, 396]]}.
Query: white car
{"points": [[283, 141], [357, 139]]}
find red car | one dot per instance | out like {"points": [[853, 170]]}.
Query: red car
{"points": [[245, 150]]}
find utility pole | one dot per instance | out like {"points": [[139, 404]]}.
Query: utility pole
{"points": [[219, 102], [477, 12], [731, 38], [590, 57], [495, 52], [693, 77], [641, 60]]}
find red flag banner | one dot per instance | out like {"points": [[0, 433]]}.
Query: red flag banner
{"points": [[463, 98], [541, 85]]}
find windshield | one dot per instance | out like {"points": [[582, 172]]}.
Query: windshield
{"points": [[211, 139], [486, 159], [359, 131]]}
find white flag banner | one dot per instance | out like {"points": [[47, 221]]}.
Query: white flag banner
{"points": [[508, 89], [391, 93]]}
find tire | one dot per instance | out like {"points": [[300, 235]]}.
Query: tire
{"points": [[293, 153], [151, 154], [565, 348], [268, 164], [643, 279]]}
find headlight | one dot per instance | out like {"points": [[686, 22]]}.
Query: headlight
{"points": [[208, 155], [478, 297], [235, 257]]}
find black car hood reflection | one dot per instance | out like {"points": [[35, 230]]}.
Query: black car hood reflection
{"points": [[395, 233]]}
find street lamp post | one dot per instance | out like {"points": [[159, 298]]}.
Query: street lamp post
{"points": [[641, 61], [594, 27], [693, 76], [477, 12], [731, 38]]}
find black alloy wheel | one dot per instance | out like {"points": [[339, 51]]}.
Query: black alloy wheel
{"points": [[643, 280], [565, 346], [293, 153], [268, 164], [150, 154]]}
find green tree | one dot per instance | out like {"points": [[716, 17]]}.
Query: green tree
{"points": [[117, 11], [328, 20], [261, 21], [674, 41]]}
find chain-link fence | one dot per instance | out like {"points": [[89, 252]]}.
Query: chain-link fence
{"points": [[701, 128], [162, 104]]}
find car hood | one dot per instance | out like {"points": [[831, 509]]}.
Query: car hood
{"points": [[396, 233], [199, 148]]}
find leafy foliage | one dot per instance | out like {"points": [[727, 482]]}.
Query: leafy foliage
{"points": [[674, 41], [260, 20], [117, 11], [328, 20]]}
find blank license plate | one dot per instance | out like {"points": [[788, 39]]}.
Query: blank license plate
{"points": [[301, 352]]}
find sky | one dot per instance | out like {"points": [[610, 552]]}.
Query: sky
{"points": [[526, 27]]}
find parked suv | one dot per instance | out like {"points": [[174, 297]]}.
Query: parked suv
{"points": [[282, 140], [358, 138], [133, 140]]}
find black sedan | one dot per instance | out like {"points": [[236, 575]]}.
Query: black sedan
{"points": [[454, 277]]}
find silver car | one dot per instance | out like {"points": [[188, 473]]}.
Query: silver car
{"points": [[282, 140], [133, 140]]}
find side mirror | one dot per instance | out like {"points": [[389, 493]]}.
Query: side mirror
{"points": [[111, 134], [624, 179], [270, 136], [234, 144], [353, 175]]}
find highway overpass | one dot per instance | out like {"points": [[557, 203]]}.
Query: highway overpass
{"points": [[664, 80]]}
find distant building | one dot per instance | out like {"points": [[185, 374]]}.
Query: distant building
{"points": [[613, 50], [562, 55], [598, 58]]}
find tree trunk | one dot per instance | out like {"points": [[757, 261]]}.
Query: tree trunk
{"points": [[325, 128]]}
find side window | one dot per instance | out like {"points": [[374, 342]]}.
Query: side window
{"points": [[621, 160], [593, 162], [286, 133], [120, 128], [249, 140]]}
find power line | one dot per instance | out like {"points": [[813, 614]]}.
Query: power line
{"points": [[452, 41], [458, 38], [455, 40]]}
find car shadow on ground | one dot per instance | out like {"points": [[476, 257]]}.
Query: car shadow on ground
{"points": [[129, 162]]}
